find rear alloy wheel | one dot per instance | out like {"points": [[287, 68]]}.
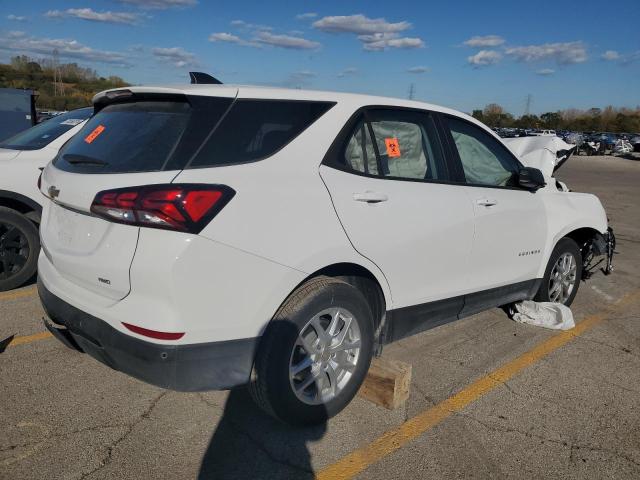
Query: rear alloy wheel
{"points": [[19, 249], [315, 353], [562, 276]]}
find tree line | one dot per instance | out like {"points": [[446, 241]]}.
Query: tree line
{"points": [[608, 119], [76, 84]]}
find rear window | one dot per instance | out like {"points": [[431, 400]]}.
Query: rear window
{"points": [[256, 129], [156, 135], [43, 134], [142, 136]]}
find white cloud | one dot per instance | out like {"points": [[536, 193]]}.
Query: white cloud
{"points": [[176, 56], [160, 4], [546, 72], [306, 16], [419, 69], [304, 74], [376, 34], [263, 37], [359, 24], [485, 41], [384, 41], [286, 41], [622, 59], [484, 58], [231, 38], [347, 71], [16, 18], [93, 16], [241, 24], [19, 42], [610, 55], [561, 53]]}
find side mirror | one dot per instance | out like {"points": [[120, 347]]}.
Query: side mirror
{"points": [[531, 178]]}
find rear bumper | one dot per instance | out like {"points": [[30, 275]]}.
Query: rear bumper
{"points": [[192, 367]]}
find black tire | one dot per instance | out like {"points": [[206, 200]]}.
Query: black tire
{"points": [[270, 384], [565, 245], [19, 249]]}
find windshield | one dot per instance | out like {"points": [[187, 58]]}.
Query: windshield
{"points": [[46, 132]]}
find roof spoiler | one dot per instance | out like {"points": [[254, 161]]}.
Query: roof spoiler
{"points": [[203, 78]]}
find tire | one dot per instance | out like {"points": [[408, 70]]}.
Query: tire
{"points": [[553, 274], [282, 347], [19, 249]]}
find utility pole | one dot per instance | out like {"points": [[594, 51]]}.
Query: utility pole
{"points": [[58, 87], [412, 91], [527, 108]]}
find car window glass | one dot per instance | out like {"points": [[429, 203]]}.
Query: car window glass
{"points": [[142, 136], [256, 129], [44, 133], [483, 159], [407, 144], [359, 154]]}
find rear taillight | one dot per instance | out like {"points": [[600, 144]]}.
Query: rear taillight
{"points": [[182, 207]]}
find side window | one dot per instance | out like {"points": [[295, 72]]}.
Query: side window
{"points": [[359, 154], [484, 160], [407, 144]]}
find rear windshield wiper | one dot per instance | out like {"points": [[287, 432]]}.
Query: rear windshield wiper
{"points": [[75, 159]]}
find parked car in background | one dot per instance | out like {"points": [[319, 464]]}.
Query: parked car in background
{"points": [[210, 236], [22, 157]]}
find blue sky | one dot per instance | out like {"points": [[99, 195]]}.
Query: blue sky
{"points": [[462, 54]]}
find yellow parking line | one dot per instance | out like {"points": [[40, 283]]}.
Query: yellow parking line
{"points": [[29, 338], [27, 292], [359, 460]]}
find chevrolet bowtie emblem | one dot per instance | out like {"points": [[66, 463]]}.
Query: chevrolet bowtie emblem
{"points": [[53, 191]]}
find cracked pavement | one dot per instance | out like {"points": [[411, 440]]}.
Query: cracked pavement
{"points": [[574, 414]]}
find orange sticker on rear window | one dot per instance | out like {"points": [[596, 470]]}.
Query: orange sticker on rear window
{"points": [[93, 135], [393, 148]]}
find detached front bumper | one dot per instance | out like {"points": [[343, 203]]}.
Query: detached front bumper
{"points": [[192, 367]]}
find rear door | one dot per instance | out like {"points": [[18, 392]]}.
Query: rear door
{"points": [[141, 140], [388, 181]]}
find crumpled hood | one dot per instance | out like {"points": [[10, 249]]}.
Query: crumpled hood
{"points": [[546, 153], [6, 154]]}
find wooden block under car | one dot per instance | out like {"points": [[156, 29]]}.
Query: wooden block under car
{"points": [[387, 384]]}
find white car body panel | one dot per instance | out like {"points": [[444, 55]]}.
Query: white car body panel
{"points": [[284, 224], [404, 235], [20, 168]]}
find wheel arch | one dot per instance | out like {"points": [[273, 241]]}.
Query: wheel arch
{"points": [[361, 278], [21, 203]]}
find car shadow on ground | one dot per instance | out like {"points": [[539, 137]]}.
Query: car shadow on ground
{"points": [[248, 443]]}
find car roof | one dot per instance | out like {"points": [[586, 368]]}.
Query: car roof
{"points": [[266, 92]]}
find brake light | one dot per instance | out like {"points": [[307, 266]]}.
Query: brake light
{"points": [[182, 207]]}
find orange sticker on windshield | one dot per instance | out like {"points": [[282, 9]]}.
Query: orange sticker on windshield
{"points": [[393, 148], [93, 135]]}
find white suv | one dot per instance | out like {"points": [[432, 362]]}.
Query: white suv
{"points": [[21, 159], [206, 237]]}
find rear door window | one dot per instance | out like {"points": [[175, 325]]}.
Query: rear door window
{"points": [[256, 129], [43, 134], [142, 136]]}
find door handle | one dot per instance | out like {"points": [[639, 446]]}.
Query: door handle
{"points": [[370, 197], [486, 202]]}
